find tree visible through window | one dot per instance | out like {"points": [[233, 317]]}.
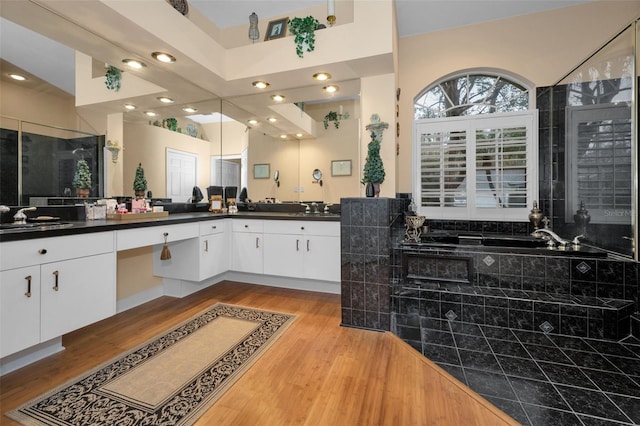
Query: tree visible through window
{"points": [[476, 149]]}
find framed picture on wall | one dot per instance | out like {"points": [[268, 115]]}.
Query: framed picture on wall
{"points": [[261, 171], [341, 168], [276, 29]]}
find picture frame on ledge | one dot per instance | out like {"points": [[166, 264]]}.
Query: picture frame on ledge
{"points": [[276, 29]]}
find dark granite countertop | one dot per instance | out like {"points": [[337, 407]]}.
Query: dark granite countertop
{"points": [[89, 226]]}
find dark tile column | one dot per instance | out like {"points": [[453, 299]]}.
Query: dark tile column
{"points": [[370, 229]]}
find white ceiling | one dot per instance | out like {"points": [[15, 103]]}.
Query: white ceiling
{"points": [[22, 48]]}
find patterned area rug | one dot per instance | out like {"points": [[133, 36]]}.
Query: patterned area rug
{"points": [[169, 380]]}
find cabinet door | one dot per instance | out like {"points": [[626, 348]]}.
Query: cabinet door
{"points": [[283, 255], [76, 293], [19, 309], [322, 258], [214, 255], [247, 252]]}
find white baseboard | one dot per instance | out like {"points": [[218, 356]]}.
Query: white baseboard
{"points": [[285, 282], [35, 353], [139, 298]]}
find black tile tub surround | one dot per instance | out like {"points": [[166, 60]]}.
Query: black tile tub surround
{"points": [[584, 297], [371, 228]]}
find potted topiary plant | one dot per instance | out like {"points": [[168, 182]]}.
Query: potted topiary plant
{"points": [[303, 30], [82, 179], [373, 174], [139, 182]]}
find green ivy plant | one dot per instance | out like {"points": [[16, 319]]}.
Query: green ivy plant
{"points": [[331, 116], [172, 124], [304, 31], [113, 78], [82, 177]]}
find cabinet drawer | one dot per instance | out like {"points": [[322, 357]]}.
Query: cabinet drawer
{"points": [[247, 225], [17, 254], [143, 237], [213, 227], [302, 227]]}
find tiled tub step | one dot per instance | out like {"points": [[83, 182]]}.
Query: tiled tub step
{"points": [[562, 314]]}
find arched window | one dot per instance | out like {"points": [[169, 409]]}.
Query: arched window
{"points": [[471, 94], [476, 149]]}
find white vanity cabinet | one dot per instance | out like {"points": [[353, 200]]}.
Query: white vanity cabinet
{"points": [[20, 309], [50, 286], [302, 249], [246, 255], [198, 258]]}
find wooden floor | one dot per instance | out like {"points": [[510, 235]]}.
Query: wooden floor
{"points": [[318, 373]]}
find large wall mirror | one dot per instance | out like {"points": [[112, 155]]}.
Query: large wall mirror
{"points": [[590, 153]]}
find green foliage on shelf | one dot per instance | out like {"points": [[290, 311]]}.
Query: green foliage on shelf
{"points": [[331, 116], [113, 78], [172, 124], [82, 177], [303, 30]]}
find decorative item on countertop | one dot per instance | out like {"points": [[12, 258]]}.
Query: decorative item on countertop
{"points": [[254, 32], [373, 167], [139, 182], [165, 254], [582, 217], [113, 77], [94, 211], [535, 217], [82, 179], [303, 30], [414, 227], [215, 204]]}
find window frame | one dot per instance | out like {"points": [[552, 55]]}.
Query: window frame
{"points": [[526, 118]]}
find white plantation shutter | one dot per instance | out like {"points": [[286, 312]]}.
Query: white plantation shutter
{"points": [[480, 168], [443, 167], [501, 167]]}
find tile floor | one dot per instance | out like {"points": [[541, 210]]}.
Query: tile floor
{"points": [[540, 379]]}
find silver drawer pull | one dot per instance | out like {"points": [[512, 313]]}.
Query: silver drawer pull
{"points": [[297, 245], [28, 278], [42, 251], [56, 274], [257, 242]]}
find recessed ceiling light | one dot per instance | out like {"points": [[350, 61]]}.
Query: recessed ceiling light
{"points": [[272, 119], [132, 63], [129, 107], [260, 84], [299, 135], [18, 77], [189, 109], [322, 76], [283, 136], [253, 122], [150, 113], [277, 98], [163, 57], [331, 88], [165, 100]]}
